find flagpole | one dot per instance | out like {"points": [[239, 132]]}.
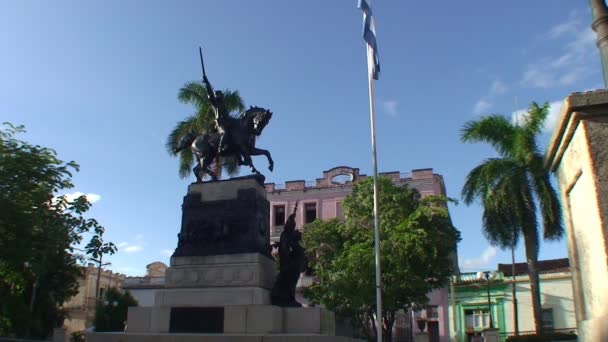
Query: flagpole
{"points": [[372, 115]]}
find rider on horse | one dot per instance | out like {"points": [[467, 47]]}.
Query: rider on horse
{"points": [[222, 117]]}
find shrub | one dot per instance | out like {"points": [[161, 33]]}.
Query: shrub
{"points": [[111, 312]]}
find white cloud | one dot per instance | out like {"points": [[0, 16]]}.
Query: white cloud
{"points": [[91, 197], [390, 107], [536, 77], [132, 247], [167, 252], [482, 106], [555, 108], [583, 39], [574, 63], [554, 112], [483, 260], [498, 88], [569, 26]]}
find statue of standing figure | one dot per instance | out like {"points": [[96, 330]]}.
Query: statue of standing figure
{"points": [[292, 262]]}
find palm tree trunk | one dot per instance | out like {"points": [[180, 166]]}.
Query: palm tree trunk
{"points": [[531, 243]]}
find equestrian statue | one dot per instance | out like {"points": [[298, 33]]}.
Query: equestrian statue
{"points": [[233, 137]]}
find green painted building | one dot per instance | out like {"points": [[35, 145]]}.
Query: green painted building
{"points": [[469, 309], [469, 313]]}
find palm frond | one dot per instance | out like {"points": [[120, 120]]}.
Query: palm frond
{"points": [[524, 146], [535, 119], [502, 223], [186, 162], [230, 166], [194, 93], [233, 100], [485, 176], [495, 130], [501, 218], [190, 125], [550, 206], [499, 228]]}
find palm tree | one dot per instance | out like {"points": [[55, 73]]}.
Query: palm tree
{"points": [[514, 188], [200, 122]]}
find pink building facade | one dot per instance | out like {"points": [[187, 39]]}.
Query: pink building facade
{"points": [[322, 199]]}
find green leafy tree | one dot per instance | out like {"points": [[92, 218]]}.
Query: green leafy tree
{"points": [[111, 312], [97, 248], [417, 244], [202, 121], [514, 188], [39, 269]]}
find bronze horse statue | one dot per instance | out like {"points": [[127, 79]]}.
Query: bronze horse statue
{"points": [[241, 144]]}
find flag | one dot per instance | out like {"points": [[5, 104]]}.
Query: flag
{"points": [[369, 36]]}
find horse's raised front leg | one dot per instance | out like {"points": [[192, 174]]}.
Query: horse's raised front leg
{"points": [[258, 151], [249, 162]]}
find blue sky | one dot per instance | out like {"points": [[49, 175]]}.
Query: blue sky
{"points": [[97, 81]]}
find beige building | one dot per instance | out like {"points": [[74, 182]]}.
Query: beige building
{"points": [[578, 155], [81, 307], [143, 289]]}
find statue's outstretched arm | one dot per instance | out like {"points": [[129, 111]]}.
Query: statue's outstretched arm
{"points": [[210, 93]]}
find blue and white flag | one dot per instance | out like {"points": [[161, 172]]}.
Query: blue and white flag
{"points": [[369, 35]]}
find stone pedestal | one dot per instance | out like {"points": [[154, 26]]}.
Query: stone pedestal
{"points": [[218, 285], [216, 280], [228, 270], [578, 155], [225, 217], [245, 319]]}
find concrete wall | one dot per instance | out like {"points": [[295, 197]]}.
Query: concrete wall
{"points": [[578, 155], [144, 296], [556, 294]]}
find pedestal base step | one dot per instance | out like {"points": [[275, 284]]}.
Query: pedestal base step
{"points": [[212, 296], [245, 319], [158, 337]]}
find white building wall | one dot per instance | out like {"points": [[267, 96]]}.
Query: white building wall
{"points": [[144, 297], [556, 293]]}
